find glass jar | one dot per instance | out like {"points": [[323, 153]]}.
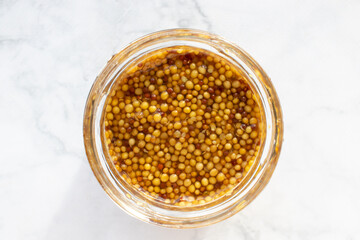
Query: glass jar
{"points": [[162, 214]]}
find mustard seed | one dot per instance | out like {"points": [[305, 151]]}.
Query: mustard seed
{"points": [[199, 166], [173, 178], [129, 108], [178, 146]]}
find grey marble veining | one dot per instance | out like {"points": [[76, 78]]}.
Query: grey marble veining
{"points": [[51, 52]]}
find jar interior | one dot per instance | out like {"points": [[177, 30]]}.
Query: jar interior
{"points": [[122, 177]]}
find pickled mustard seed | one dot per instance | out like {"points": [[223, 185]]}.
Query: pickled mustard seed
{"points": [[183, 126]]}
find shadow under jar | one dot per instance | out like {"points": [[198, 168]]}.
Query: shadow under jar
{"points": [[182, 128]]}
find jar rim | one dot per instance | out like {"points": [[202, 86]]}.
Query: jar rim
{"points": [[145, 210]]}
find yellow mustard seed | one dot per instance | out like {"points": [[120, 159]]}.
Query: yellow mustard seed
{"points": [[189, 84], [157, 117], [173, 178], [116, 110], [164, 95], [164, 177], [202, 70], [187, 110], [152, 109], [220, 177], [194, 73], [178, 146], [228, 146], [138, 91], [144, 105], [129, 108], [199, 166], [204, 181], [156, 181]]}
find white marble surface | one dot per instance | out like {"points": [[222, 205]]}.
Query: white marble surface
{"points": [[51, 51]]}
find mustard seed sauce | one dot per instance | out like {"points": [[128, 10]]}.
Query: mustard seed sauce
{"points": [[183, 125]]}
